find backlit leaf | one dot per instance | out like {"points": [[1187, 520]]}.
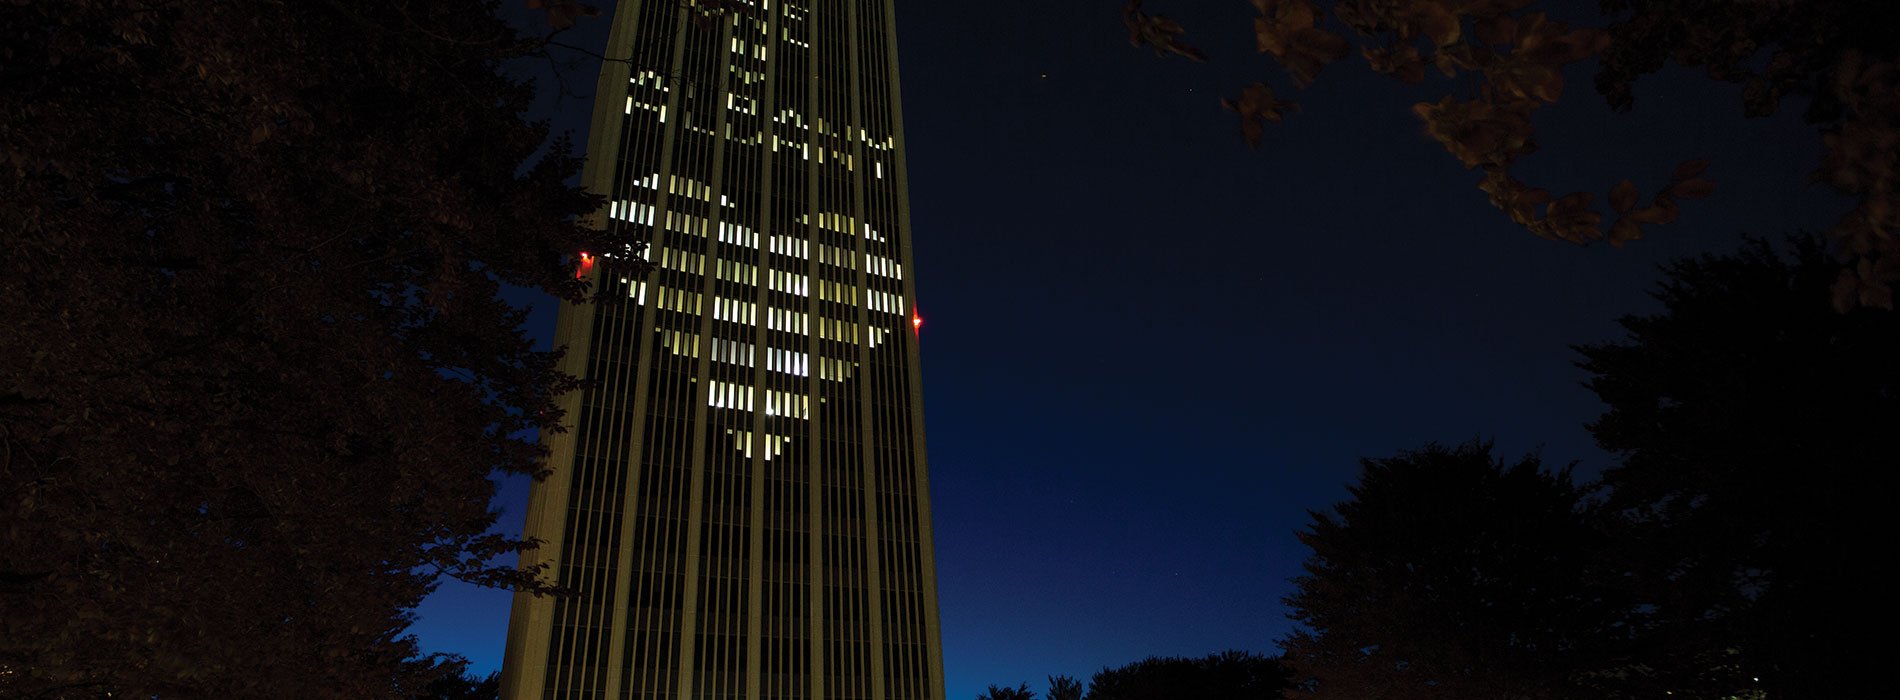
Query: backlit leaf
{"points": [[1159, 32], [1625, 230], [1623, 197], [1402, 62], [1287, 30], [1689, 169], [1256, 107]]}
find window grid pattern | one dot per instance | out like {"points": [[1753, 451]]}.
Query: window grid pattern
{"points": [[746, 511]]}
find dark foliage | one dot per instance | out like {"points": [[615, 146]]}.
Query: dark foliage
{"points": [[1757, 433], [254, 376], [1837, 56], [1230, 675], [1734, 552], [457, 684], [997, 692], [1064, 688], [1450, 575]]}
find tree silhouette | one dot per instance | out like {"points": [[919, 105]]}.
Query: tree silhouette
{"points": [[254, 374], [1756, 429], [1838, 56], [995, 692], [455, 683], [1229, 675], [1449, 574], [1064, 688]]}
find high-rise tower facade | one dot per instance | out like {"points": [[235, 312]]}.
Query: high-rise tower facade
{"points": [[741, 505]]}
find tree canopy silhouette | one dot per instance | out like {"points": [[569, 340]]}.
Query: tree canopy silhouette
{"points": [[1756, 433], [1064, 688], [1450, 574], [254, 374], [1837, 55], [1000, 692], [1737, 544], [1229, 675], [457, 684]]}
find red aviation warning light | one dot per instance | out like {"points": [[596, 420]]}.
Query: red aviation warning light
{"points": [[587, 265], [916, 322]]}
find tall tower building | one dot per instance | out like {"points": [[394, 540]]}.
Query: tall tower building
{"points": [[741, 504]]}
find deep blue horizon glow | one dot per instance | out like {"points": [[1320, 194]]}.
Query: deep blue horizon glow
{"points": [[1149, 351]]}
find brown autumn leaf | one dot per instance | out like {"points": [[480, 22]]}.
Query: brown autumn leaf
{"points": [[1662, 210], [1460, 56], [1625, 230], [1689, 169], [1572, 219], [1477, 132], [1543, 40], [1623, 198], [1280, 17], [1846, 291], [1157, 31], [1520, 78], [1514, 198], [1866, 283], [1287, 30], [1436, 22], [1496, 30], [1402, 62], [1311, 50], [1587, 42], [1256, 106]]}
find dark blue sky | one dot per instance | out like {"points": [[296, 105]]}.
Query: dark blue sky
{"points": [[1149, 352]]}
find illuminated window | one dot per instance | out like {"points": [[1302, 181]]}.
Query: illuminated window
{"points": [[738, 235], [742, 104], [688, 187], [735, 311], [771, 445], [633, 212], [686, 223], [880, 265], [833, 369], [636, 290], [797, 364], [733, 352], [677, 300], [728, 395], [786, 245], [680, 343], [834, 329], [733, 271], [683, 261], [789, 283], [789, 321], [790, 405]]}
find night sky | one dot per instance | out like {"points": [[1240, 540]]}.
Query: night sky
{"points": [[1148, 351]]}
